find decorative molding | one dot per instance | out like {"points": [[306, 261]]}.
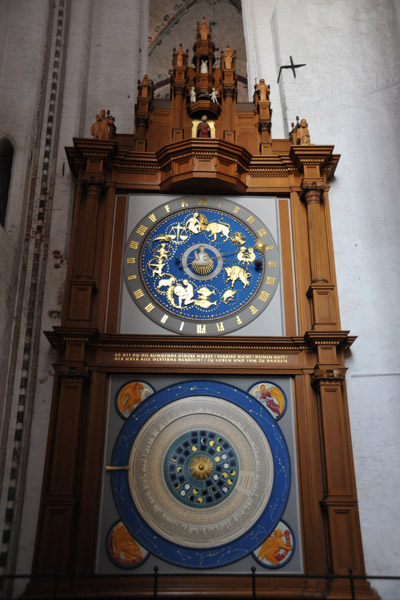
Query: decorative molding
{"points": [[323, 376]]}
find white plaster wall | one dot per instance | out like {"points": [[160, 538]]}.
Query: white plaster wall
{"points": [[115, 56], [73, 88], [22, 55], [349, 93], [101, 68], [263, 55]]}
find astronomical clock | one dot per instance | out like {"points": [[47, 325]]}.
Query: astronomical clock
{"points": [[200, 423]]}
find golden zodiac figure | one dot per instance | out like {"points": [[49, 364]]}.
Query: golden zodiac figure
{"points": [[236, 272], [228, 295], [156, 266], [273, 545], [238, 238], [246, 255], [215, 228], [204, 295]]}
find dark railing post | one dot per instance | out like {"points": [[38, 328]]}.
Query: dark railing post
{"points": [[353, 595], [155, 582], [253, 582], [55, 590]]}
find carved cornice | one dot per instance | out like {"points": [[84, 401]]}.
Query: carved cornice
{"points": [[61, 335], [341, 339], [118, 161], [86, 150], [308, 155]]}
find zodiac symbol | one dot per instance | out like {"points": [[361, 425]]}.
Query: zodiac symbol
{"points": [[271, 548], [204, 295], [166, 282], [183, 293], [238, 238], [156, 266], [124, 546], [246, 255], [178, 233], [215, 228], [236, 272], [228, 295]]}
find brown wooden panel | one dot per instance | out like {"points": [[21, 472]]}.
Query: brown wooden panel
{"points": [[56, 533], [80, 303], [114, 285], [336, 441], [287, 269], [62, 478]]}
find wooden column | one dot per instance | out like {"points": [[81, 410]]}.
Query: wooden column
{"points": [[90, 194]]}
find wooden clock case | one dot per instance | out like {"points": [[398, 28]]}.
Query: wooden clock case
{"points": [[242, 159]]}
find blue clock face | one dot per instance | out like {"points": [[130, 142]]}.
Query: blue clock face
{"points": [[201, 474], [209, 268]]}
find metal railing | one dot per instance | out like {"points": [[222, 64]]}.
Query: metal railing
{"points": [[57, 576]]}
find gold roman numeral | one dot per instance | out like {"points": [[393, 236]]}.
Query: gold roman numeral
{"points": [[270, 281], [264, 296], [251, 220], [262, 232], [253, 310], [141, 230], [131, 260], [149, 307], [153, 217], [220, 327], [134, 245], [138, 293]]}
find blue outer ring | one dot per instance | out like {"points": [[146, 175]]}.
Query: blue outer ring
{"points": [[216, 556]]}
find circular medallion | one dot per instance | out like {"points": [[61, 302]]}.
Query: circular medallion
{"points": [[271, 396], [278, 548], [208, 474], [123, 550], [207, 269], [130, 395]]}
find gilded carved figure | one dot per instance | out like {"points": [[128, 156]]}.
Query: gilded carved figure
{"points": [[104, 126], [228, 57], [262, 89], [203, 30]]}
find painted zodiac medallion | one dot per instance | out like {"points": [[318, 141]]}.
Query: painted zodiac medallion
{"points": [[130, 395], [123, 550], [204, 474], [207, 269], [277, 549], [271, 396]]}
